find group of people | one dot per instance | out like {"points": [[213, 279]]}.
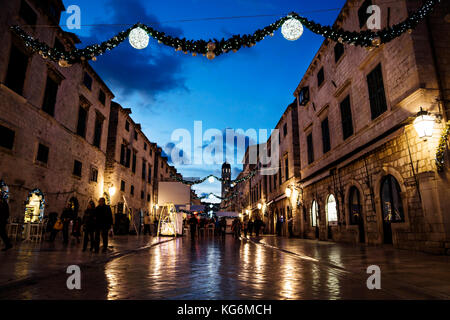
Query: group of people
{"points": [[202, 223], [253, 225], [95, 223]]}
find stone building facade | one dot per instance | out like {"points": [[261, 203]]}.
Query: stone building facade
{"points": [[53, 120], [62, 137], [366, 176]]}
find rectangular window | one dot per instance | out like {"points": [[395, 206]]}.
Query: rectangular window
{"points": [[346, 117], [133, 167], [142, 194], [144, 169], [325, 136], [286, 169], [145, 146], [6, 137], [94, 175], [17, 69], [363, 16], [148, 197], [127, 126], [82, 119], [132, 190], [42, 154], [135, 135], [122, 185], [87, 81], [377, 96], [27, 13], [102, 97], [149, 176], [338, 51], [77, 167], [303, 96], [98, 131], [320, 77], [309, 142], [51, 90], [151, 152], [285, 131]]}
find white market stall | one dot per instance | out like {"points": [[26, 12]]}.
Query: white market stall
{"points": [[170, 195]]}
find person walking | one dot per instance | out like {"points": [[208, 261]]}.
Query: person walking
{"points": [[147, 224], [257, 226], [89, 226], [290, 227], [236, 228], [103, 222], [4, 215], [223, 227], [245, 227], [250, 227], [66, 217], [193, 226], [52, 218]]}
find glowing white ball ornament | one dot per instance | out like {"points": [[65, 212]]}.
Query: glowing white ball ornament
{"points": [[138, 38], [211, 179], [292, 29]]}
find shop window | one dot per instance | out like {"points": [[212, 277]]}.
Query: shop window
{"points": [[354, 206], [34, 206], [391, 201], [320, 77], [338, 51], [27, 13], [7, 137], [17, 69], [51, 91], [42, 153], [326, 145], [346, 118], [77, 168], [377, 95], [309, 142], [87, 81], [82, 119], [122, 185], [331, 209], [314, 213]]}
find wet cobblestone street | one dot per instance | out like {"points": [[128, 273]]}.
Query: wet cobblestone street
{"points": [[263, 268]]}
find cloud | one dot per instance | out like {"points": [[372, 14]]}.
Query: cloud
{"points": [[137, 74]]}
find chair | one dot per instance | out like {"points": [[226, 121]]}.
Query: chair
{"points": [[13, 230], [36, 231]]}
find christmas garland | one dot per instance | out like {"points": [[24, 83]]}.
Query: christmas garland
{"points": [[213, 48], [4, 190], [218, 197], [199, 181], [442, 148]]}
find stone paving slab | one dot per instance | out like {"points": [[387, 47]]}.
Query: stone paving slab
{"points": [[27, 262]]}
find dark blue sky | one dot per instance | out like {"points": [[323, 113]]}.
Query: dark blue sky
{"points": [[168, 90]]}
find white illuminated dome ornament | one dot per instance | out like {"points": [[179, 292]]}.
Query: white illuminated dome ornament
{"points": [[292, 29], [211, 179], [138, 38]]}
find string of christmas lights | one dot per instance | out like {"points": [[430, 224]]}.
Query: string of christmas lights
{"points": [[291, 28], [212, 177], [442, 148]]}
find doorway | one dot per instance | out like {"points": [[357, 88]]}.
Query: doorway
{"points": [[391, 205], [356, 216]]}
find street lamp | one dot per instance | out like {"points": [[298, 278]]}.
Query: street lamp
{"points": [[112, 190], [424, 124], [288, 192], [247, 211], [259, 206]]}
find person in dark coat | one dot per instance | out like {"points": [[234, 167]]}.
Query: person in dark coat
{"points": [[104, 221], [193, 225], [223, 227], [250, 227], [89, 226], [52, 218], [66, 217], [4, 215]]}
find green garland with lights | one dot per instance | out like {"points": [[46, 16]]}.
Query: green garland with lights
{"points": [[218, 197], [199, 181], [213, 48], [442, 148]]}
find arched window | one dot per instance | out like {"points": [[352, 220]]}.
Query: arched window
{"points": [[314, 213], [354, 206], [331, 210], [391, 201]]}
